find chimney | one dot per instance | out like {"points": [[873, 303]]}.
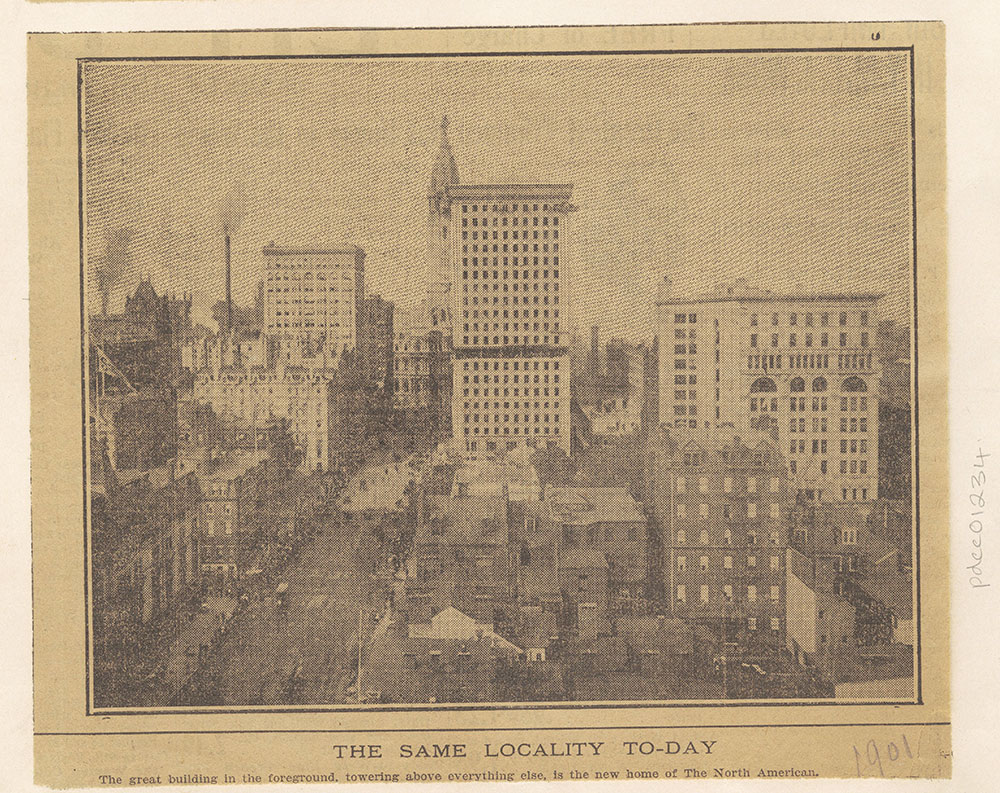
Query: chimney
{"points": [[229, 287]]}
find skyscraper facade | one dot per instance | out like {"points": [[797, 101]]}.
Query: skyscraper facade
{"points": [[498, 291], [510, 307]]}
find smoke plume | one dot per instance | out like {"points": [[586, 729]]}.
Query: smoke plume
{"points": [[233, 209], [112, 266]]}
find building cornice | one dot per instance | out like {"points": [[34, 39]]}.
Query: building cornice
{"points": [[800, 298], [283, 250]]}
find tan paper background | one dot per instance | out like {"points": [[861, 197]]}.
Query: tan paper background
{"points": [[277, 743]]}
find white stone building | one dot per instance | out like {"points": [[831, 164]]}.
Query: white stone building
{"points": [[801, 365], [300, 396]]}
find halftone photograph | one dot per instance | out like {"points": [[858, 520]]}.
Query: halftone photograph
{"points": [[483, 379]]}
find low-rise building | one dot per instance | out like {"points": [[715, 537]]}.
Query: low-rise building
{"points": [[462, 557], [605, 520], [299, 396]]}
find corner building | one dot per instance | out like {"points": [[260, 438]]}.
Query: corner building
{"points": [[510, 323], [802, 365]]}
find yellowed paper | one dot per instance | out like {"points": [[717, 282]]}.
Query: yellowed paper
{"points": [[489, 405]]}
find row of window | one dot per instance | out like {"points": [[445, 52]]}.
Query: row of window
{"points": [[496, 300], [727, 594], [297, 290], [727, 510], [507, 208], [820, 425], [808, 319], [544, 392], [514, 430], [507, 405], [473, 418], [514, 288], [210, 527], [514, 261], [727, 482], [515, 235], [542, 365], [517, 314], [798, 385], [806, 361], [824, 340], [727, 563], [484, 222], [508, 341], [727, 534], [496, 379], [511, 326]]}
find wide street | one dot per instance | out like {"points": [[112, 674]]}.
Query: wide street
{"points": [[304, 651]]}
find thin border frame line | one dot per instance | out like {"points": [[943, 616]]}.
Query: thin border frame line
{"points": [[91, 710]]}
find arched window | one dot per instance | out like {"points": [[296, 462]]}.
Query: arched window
{"points": [[763, 385], [854, 384], [797, 384], [819, 384]]}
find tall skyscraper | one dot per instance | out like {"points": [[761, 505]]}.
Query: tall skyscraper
{"points": [[511, 325], [497, 290], [802, 367]]}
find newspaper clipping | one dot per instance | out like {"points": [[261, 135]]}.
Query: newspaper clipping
{"points": [[489, 405]]}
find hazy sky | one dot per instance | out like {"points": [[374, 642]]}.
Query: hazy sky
{"points": [[785, 169]]}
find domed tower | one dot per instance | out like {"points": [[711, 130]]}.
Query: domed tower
{"points": [[443, 174]]}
